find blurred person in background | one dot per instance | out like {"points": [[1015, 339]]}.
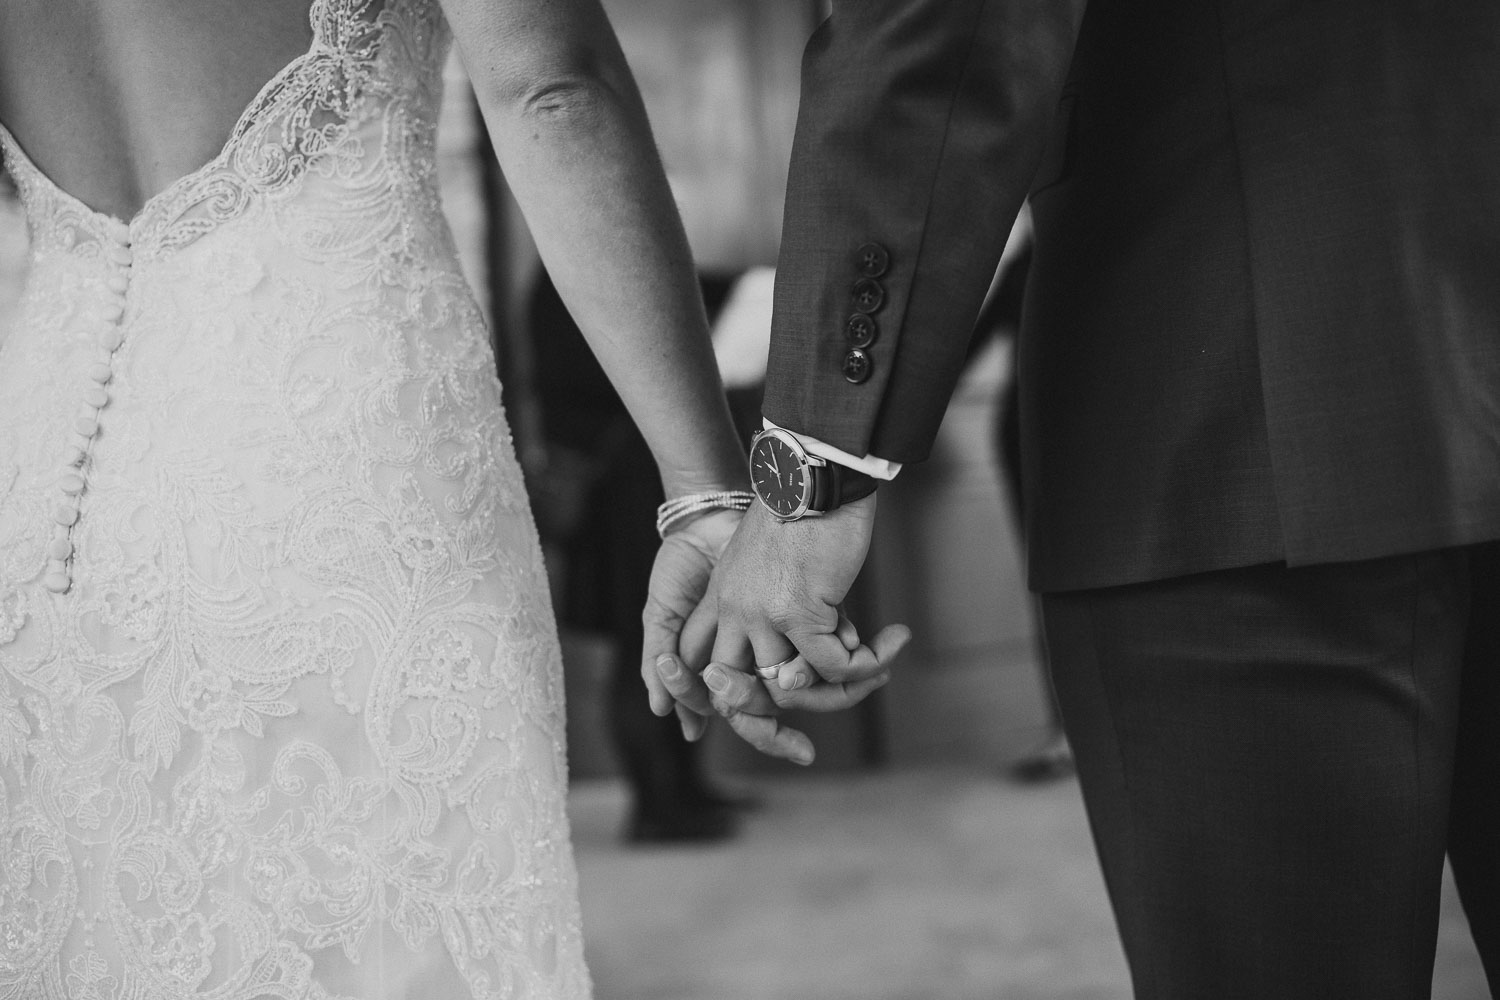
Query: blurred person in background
{"points": [[1260, 405], [1000, 317]]}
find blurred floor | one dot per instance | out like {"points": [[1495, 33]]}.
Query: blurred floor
{"points": [[909, 885]]}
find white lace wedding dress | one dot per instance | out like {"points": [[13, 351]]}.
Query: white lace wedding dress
{"points": [[280, 695]]}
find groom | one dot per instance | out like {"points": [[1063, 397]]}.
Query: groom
{"points": [[1260, 376]]}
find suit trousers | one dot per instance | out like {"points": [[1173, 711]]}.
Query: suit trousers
{"points": [[1275, 762]]}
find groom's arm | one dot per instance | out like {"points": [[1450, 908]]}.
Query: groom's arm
{"points": [[922, 123], [921, 126]]}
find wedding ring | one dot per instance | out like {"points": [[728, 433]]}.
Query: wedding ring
{"points": [[769, 672]]}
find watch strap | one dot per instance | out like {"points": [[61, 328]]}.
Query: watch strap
{"points": [[853, 484], [835, 485]]}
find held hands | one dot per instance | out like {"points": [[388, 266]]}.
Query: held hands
{"points": [[776, 593]]}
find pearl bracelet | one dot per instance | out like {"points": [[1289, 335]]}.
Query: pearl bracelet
{"points": [[672, 513]]}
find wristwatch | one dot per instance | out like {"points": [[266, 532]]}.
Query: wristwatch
{"points": [[793, 484]]}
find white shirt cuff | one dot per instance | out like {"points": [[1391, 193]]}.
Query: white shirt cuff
{"points": [[869, 465]]}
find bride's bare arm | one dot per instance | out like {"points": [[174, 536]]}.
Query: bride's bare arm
{"points": [[571, 134]]}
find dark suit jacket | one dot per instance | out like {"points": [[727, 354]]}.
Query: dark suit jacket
{"points": [[1263, 321]]}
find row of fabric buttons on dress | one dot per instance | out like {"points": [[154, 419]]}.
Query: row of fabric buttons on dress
{"points": [[105, 330], [871, 261]]}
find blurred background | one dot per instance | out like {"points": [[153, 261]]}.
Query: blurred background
{"points": [[938, 847]]}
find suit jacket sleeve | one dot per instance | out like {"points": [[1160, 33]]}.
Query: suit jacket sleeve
{"points": [[921, 126]]}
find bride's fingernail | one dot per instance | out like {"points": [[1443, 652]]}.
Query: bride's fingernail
{"points": [[792, 681], [666, 665], [716, 679]]}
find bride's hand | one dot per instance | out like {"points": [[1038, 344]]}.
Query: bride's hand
{"points": [[679, 580]]}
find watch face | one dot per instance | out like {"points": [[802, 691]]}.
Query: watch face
{"points": [[780, 476]]}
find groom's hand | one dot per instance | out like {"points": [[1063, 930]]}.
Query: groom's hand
{"points": [[775, 594]]}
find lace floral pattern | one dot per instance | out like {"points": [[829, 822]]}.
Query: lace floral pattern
{"points": [[290, 725]]}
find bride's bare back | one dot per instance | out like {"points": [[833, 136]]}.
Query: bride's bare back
{"points": [[116, 99]]}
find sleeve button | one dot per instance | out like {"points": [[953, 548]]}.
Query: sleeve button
{"points": [[869, 295], [856, 366], [860, 330], [871, 260]]}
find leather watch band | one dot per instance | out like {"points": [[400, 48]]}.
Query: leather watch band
{"points": [[835, 485], [852, 484]]}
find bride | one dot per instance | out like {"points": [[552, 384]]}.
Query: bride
{"points": [[280, 696]]}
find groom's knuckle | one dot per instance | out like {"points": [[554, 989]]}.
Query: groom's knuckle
{"points": [[788, 618], [743, 613], [836, 665]]}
